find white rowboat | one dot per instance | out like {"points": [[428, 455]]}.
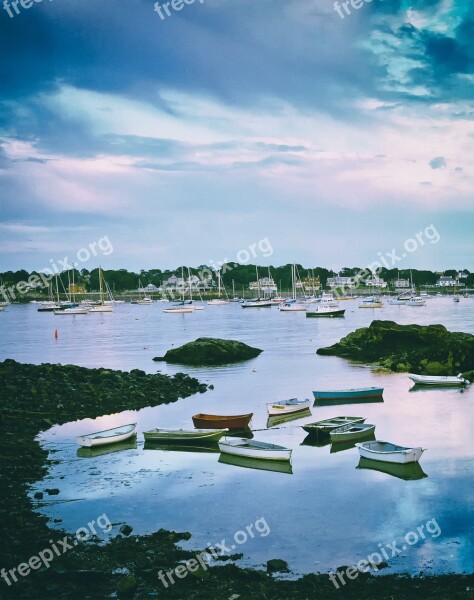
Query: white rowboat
{"points": [[284, 407], [108, 436], [388, 452], [254, 449], [439, 380]]}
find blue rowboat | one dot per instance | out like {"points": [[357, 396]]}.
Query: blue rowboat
{"points": [[351, 394]]}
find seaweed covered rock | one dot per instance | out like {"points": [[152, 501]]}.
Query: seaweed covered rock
{"points": [[210, 351], [422, 349]]}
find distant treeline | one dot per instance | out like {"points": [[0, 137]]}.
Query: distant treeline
{"points": [[122, 280]]}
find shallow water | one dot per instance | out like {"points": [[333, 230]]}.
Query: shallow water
{"points": [[327, 512]]}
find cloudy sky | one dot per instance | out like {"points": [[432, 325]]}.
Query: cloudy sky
{"points": [[188, 139]]}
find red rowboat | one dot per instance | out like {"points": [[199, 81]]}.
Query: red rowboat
{"points": [[202, 420]]}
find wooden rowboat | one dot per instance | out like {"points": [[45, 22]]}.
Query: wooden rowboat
{"points": [[184, 436], [351, 393], [254, 449], [353, 431], [388, 452], [108, 436], [285, 407], [327, 425], [204, 421], [441, 381]]}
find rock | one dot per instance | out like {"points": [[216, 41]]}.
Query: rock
{"points": [[276, 565], [38, 495], [127, 587], [126, 530], [210, 351], [421, 349], [52, 491]]}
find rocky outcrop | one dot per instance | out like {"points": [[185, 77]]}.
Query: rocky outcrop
{"points": [[422, 349], [210, 351]]}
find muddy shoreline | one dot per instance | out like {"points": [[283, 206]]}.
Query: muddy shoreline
{"points": [[38, 397]]}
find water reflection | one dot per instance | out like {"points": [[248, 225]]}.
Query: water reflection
{"points": [[210, 447], [340, 447], [256, 463], [408, 471], [339, 401], [278, 419]]}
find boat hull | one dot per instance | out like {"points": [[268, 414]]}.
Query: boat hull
{"points": [[100, 438], [438, 381], [183, 436], [374, 451], [372, 392], [203, 421], [283, 409], [327, 425], [349, 433], [338, 312], [258, 450]]}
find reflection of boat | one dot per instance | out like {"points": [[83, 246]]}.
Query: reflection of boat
{"points": [[317, 442], [353, 431], [108, 436], [438, 380], [279, 466], [202, 420], [204, 447], [284, 407], [254, 449], [409, 471], [349, 394], [351, 444], [94, 451], [327, 425], [348, 401], [185, 436], [276, 420], [388, 452]]}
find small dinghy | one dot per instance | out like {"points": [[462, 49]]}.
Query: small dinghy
{"points": [[327, 425], [388, 452], [108, 436], [285, 407], [441, 381], [254, 449], [184, 436], [351, 432], [203, 420], [350, 394]]}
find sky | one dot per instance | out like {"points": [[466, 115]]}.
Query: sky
{"points": [[230, 126]]}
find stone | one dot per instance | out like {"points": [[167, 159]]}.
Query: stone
{"points": [[210, 351]]}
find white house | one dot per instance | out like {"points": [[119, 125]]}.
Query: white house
{"points": [[338, 281], [446, 281], [401, 283], [376, 282]]}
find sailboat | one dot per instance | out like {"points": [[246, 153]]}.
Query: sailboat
{"points": [[414, 300], [218, 301], [292, 305], [143, 299], [102, 306], [182, 306], [257, 302], [191, 301], [70, 308]]}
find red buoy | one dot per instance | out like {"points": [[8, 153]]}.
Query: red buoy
{"points": [[55, 334]]}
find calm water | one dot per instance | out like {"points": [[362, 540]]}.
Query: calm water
{"points": [[327, 512]]}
